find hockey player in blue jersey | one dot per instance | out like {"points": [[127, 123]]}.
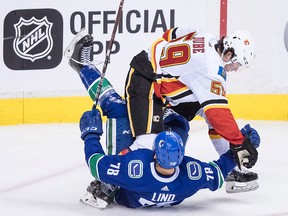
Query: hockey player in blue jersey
{"points": [[114, 107], [159, 177]]}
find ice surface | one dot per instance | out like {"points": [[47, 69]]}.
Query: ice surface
{"points": [[43, 173]]}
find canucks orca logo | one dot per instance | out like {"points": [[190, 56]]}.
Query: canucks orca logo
{"points": [[26, 44], [194, 170], [135, 169]]}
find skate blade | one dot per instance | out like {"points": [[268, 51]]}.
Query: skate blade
{"points": [[239, 187], [69, 50], [89, 200]]}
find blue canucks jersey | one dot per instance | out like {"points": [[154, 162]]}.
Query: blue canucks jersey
{"points": [[140, 183]]}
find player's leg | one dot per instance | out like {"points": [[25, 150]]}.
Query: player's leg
{"points": [[80, 56], [144, 108], [118, 133], [113, 106], [139, 103], [111, 103], [79, 50], [99, 194]]}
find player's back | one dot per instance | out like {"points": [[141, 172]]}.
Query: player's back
{"points": [[187, 61], [142, 185], [193, 53]]}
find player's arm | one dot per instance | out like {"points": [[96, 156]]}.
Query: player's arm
{"points": [[91, 129], [222, 145], [225, 125], [103, 167], [224, 165], [210, 175], [211, 96]]}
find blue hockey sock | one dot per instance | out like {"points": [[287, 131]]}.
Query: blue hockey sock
{"points": [[111, 103], [90, 77]]}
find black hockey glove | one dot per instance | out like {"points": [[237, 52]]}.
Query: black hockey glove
{"points": [[245, 154], [91, 124]]}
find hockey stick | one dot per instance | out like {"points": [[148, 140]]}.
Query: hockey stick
{"points": [[107, 58]]}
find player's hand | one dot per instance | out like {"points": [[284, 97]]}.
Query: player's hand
{"points": [[91, 124], [253, 135], [245, 154]]}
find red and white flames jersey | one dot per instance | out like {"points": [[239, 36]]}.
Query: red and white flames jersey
{"points": [[189, 69]]}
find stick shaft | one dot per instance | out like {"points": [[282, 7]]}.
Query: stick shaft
{"points": [[107, 57]]}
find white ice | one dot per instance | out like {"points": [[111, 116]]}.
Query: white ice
{"points": [[43, 173]]}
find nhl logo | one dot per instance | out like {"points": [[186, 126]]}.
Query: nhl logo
{"points": [[33, 38]]}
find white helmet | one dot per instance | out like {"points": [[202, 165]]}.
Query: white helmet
{"points": [[243, 44]]}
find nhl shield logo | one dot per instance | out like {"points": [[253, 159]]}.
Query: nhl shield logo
{"points": [[33, 38]]}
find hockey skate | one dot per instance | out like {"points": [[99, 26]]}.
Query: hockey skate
{"points": [[241, 181], [98, 195], [79, 51]]}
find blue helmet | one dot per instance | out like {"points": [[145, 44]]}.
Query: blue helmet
{"points": [[169, 149]]}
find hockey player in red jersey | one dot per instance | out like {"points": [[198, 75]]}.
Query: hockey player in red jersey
{"points": [[185, 71]]}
